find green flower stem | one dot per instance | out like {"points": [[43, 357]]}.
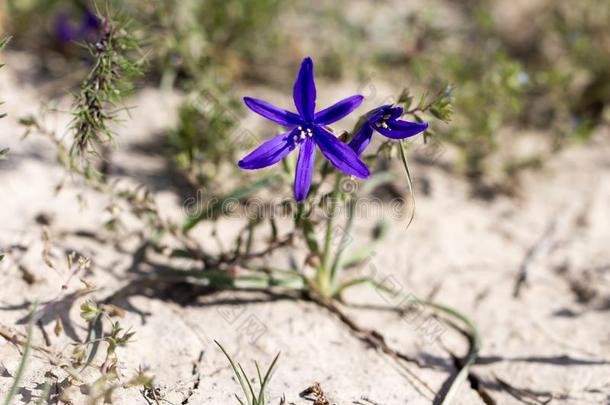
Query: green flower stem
{"points": [[338, 262], [324, 271]]}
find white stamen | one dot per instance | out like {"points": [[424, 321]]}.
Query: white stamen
{"points": [[295, 138]]}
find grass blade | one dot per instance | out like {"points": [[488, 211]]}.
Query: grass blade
{"points": [[94, 338], [267, 378], [236, 372], [23, 363], [261, 392], [254, 400]]}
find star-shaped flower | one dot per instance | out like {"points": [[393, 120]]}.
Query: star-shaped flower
{"points": [[385, 120], [306, 130]]}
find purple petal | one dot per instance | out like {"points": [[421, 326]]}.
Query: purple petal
{"points": [[63, 29], [304, 92], [90, 21], [339, 154], [362, 139], [401, 129], [269, 152], [272, 112], [395, 112], [337, 111], [304, 169]]}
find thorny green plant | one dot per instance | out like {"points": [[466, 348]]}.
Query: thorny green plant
{"points": [[96, 105], [251, 396], [96, 111]]}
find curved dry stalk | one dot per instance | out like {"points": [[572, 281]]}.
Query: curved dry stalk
{"points": [[474, 336]]}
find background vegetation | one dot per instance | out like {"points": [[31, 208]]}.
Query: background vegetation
{"points": [[546, 70]]}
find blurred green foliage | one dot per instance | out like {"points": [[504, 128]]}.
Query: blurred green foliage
{"points": [[203, 139], [489, 96], [183, 37], [553, 77], [188, 37], [548, 72]]}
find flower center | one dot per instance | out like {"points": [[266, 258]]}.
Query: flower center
{"points": [[382, 122], [303, 133]]}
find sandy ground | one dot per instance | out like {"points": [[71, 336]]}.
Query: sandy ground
{"points": [[551, 343]]}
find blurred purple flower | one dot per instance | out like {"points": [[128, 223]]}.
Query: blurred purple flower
{"points": [[307, 130], [65, 31], [385, 120]]}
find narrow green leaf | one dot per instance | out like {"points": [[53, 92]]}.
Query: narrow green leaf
{"points": [[346, 238], [252, 399], [24, 359], [267, 378], [310, 237], [236, 372], [260, 400], [4, 42], [94, 338], [405, 163]]}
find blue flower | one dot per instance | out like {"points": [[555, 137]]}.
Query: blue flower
{"points": [[306, 130], [65, 32], [385, 120]]}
